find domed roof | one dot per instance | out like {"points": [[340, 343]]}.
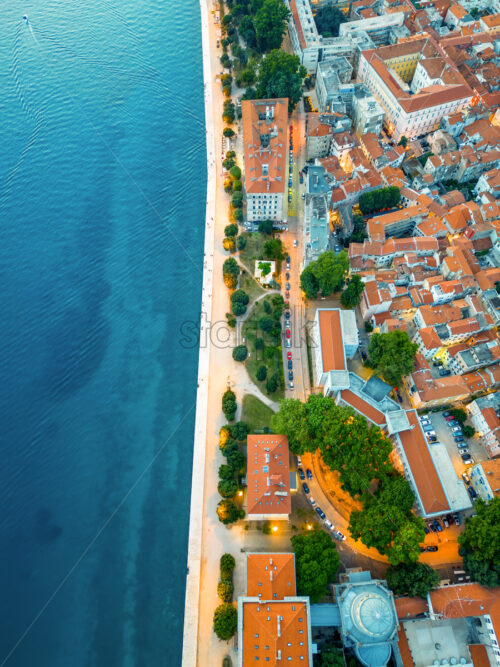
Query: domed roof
{"points": [[372, 615]]}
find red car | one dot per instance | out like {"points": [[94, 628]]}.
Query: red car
{"points": [[288, 355], [287, 294], [450, 418], [288, 334]]}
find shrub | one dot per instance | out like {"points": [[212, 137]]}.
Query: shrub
{"points": [[225, 621], [228, 512], [240, 353], [238, 308], [237, 186], [225, 590], [231, 230], [227, 488], [235, 173], [231, 320], [229, 245], [241, 242], [229, 404], [261, 373], [238, 215], [228, 132], [239, 430], [227, 564]]}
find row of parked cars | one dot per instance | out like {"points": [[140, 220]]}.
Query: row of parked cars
{"points": [[335, 533], [456, 431], [470, 489], [290, 164]]}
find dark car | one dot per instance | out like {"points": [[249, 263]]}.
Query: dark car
{"points": [[450, 518], [290, 364], [438, 526], [472, 492], [290, 375], [288, 285], [431, 547], [305, 487], [309, 474], [446, 413], [433, 527], [446, 522], [456, 518], [400, 398], [301, 473], [426, 529], [287, 315], [287, 259], [320, 512], [466, 457], [287, 275], [287, 294], [443, 372], [432, 438], [289, 198], [301, 178]]}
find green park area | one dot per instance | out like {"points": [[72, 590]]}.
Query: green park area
{"points": [[256, 413]]}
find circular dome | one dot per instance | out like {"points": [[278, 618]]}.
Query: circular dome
{"points": [[372, 615]]}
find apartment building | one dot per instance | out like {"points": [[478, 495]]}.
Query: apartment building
{"points": [[268, 478], [484, 413], [334, 339], [485, 479], [411, 109], [378, 28], [265, 146], [316, 238], [368, 115]]}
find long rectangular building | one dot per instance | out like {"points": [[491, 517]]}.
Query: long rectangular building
{"points": [[265, 147]]}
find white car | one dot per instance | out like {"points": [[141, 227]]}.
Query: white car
{"points": [[329, 524], [428, 433], [312, 501], [456, 429], [338, 535], [295, 243], [288, 343], [299, 461]]}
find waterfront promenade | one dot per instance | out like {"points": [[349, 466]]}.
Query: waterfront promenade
{"points": [[208, 538]]}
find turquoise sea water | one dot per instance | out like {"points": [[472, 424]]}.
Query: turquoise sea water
{"points": [[102, 203]]}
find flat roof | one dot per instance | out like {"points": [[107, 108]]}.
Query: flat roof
{"points": [[454, 488], [423, 471], [332, 346]]}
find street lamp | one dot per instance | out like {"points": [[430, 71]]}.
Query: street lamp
{"points": [[275, 528]]}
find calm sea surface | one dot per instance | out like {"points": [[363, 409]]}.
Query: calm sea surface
{"points": [[102, 204]]}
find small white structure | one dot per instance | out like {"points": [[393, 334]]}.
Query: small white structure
{"points": [[269, 277]]}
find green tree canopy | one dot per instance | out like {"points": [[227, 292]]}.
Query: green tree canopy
{"points": [[261, 373], [226, 472], [241, 242], [273, 249], [468, 431], [266, 323], [228, 132], [225, 621], [238, 430], [266, 227], [265, 269], [392, 355], [326, 274], [240, 353], [328, 20], [240, 296], [351, 295], [235, 173], [225, 590], [281, 75], [230, 272], [231, 230], [379, 199], [358, 450], [227, 488], [270, 24], [480, 543], [229, 404], [412, 579], [403, 141], [329, 656], [238, 308], [227, 565], [228, 512], [316, 562]]}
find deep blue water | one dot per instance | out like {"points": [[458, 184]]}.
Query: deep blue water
{"points": [[102, 196]]}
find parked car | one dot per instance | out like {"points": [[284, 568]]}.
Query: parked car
{"points": [[301, 473], [446, 522], [290, 375], [303, 196], [288, 355], [431, 547], [457, 430], [289, 198], [305, 487], [312, 501], [428, 433], [449, 418], [439, 527], [446, 413], [288, 285], [287, 276], [432, 438], [329, 524], [295, 243], [466, 478], [472, 492], [456, 518], [287, 262], [450, 518], [287, 324], [458, 438], [338, 535], [301, 178], [290, 386], [463, 450], [309, 474], [444, 372], [320, 512], [288, 333], [287, 315], [287, 295], [467, 459], [288, 343], [290, 364], [299, 461]]}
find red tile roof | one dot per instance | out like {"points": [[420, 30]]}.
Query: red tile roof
{"points": [[268, 483], [271, 576]]}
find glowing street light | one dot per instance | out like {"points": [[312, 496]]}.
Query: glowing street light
{"points": [[275, 528]]}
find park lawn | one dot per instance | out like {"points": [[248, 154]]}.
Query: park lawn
{"points": [[253, 249], [256, 413], [250, 285], [257, 358]]}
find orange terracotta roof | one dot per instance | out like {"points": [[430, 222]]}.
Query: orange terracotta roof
{"points": [[362, 407], [491, 469], [258, 156], [404, 647], [275, 629], [479, 655], [464, 601], [422, 467], [410, 607], [332, 347], [271, 576], [268, 483]]}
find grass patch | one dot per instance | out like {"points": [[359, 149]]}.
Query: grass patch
{"points": [[253, 249], [274, 363], [250, 285], [256, 413]]}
